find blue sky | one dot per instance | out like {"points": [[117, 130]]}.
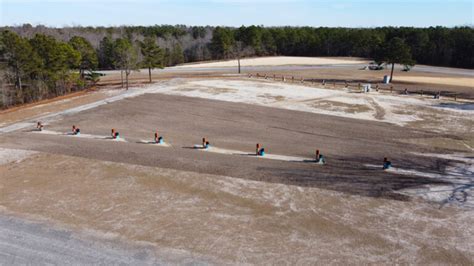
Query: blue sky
{"points": [[344, 13]]}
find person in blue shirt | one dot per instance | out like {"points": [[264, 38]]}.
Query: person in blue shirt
{"points": [[386, 164], [158, 139]]}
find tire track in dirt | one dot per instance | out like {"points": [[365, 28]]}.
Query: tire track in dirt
{"points": [[379, 110]]}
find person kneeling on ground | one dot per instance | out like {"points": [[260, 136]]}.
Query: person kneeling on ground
{"points": [[320, 158], [259, 151], [75, 130], [158, 140], [386, 164], [39, 126], [205, 143], [115, 134]]}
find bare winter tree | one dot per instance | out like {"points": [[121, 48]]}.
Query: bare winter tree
{"points": [[126, 58]]}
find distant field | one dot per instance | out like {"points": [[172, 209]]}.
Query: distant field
{"points": [[421, 77], [447, 81], [280, 61]]}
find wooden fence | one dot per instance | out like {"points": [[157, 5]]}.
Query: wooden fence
{"points": [[359, 84]]}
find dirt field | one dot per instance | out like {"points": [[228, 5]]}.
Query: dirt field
{"points": [[353, 70], [224, 205], [232, 220]]}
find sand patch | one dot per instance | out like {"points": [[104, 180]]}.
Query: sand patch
{"points": [[278, 61], [212, 91], [153, 143], [268, 96], [340, 107], [13, 155], [252, 155], [82, 135], [458, 81]]}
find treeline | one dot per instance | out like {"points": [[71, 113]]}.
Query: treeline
{"points": [[42, 67], [38, 61], [438, 46]]}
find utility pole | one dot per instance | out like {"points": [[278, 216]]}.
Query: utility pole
{"points": [[238, 59], [238, 47]]}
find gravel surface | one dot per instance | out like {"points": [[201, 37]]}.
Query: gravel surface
{"points": [[27, 243]]}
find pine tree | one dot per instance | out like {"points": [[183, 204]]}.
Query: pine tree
{"points": [[152, 55], [222, 42], [89, 60], [18, 56], [106, 54], [396, 51]]}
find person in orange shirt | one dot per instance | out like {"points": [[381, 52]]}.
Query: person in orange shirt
{"points": [[39, 126], [115, 134]]}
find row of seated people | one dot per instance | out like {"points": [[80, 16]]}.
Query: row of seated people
{"points": [[259, 151]]}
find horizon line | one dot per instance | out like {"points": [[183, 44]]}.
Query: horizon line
{"points": [[73, 25]]}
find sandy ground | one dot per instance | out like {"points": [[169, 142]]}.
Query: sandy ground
{"points": [[224, 206], [416, 80], [420, 78], [229, 220], [279, 61], [460, 81]]}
